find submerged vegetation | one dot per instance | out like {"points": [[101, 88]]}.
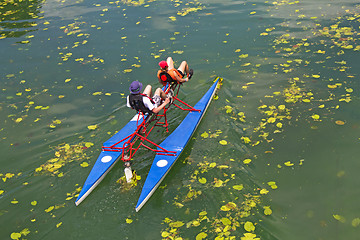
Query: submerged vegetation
{"points": [[222, 194]]}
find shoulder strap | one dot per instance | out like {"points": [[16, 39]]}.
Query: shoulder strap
{"points": [[144, 95]]}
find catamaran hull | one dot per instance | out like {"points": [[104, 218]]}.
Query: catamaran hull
{"points": [[107, 159], [175, 142]]}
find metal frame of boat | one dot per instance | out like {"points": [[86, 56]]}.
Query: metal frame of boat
{"points": [[122, 144]]}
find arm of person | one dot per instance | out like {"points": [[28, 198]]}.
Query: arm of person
{"points": [[181, 80], [157, 110], [128, 103]]}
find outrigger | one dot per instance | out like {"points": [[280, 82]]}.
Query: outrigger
{"points": [[125, 143]]}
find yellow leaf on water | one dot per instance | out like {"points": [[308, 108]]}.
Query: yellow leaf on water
{"points": [[226, 221], [289, 164], [281, 107], [89, 144], [204, 135], [279, 125], [246, 139], [165, 234], [249, 236], [195, 223], [315, 117], [92, 127], [9, 175], [339, 218], [249, 226], [202, 180], [264, 191], [33, 203], [25, 231], [339, 122], [49, 209], [179, 205], [97, 93], [267, 210], [223, 142], [355, 222], [263, 106], [15, 236], [223, 166], [58, 225], [176, 224], [272, 184], [84, 164], [218, 183], [315, 76], [14, 201], [271, 120], [203, 213], [212, 165], [238, 187], [1, 192], [128, 220], [229, 206], [18, 120], [201, 236], [247, 161]]}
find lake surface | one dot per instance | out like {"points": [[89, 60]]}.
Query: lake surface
{"points": [[275, 157]]}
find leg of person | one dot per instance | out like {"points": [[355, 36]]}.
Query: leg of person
{"points": [[157, 97], [147, 91], [184, 68], [160, 93], [170, 63]]}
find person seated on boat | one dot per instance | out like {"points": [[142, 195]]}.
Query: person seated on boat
{"points": [[145, 102], [168, 73]]}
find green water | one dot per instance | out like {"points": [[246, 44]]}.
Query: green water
{"points": [[289, 102]]}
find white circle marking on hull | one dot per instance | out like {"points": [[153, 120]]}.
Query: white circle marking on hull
{"points": [[106, 159], [162, 163]]}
